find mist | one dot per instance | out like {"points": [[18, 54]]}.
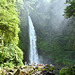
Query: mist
{"points": [[52, 10], [48, 20], [50, 27], [47, 17]]}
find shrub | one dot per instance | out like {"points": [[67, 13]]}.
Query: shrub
{"points": [[11, 56], [67, 71]]}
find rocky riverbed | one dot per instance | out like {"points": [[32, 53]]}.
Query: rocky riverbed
{"points": [[37, 70], [29, 70]]}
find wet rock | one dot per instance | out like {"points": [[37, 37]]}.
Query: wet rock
{"points": [[16, 67], [38, 73], [48, 70], [10, 70], [10, 73], [17, 72], [48, 73], [4, 72], [31, 71], [23, 67], [24, 73]]}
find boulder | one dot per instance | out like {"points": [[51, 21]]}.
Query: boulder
{"points": [[38, 73], [10, 73], [17, 72], [24, 73], [16, 67], [48, 73], [48, 70], [4, 72], [24, 67]]}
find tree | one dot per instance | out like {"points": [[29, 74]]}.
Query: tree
{"points": [[70, 9], [9, 22]]}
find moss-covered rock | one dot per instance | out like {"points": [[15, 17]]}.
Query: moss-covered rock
{"points": [[31, 71], [24, 73], [48, 70]]}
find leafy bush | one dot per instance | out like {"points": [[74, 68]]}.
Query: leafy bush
{"points": [[67, 71], [9, 64], [11, 56]]}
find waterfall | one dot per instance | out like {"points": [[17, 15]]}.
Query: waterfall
{"points": [[33, 54]]}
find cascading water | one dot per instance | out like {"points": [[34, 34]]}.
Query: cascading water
{"points": [[33, 54]]}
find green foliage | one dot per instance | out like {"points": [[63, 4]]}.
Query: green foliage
{"points": [[9, 22], [9, 64], [60, 50], [70, 9], [12, 56], [67, 71]]}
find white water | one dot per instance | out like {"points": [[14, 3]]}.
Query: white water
{"points": [[33, 54]]}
